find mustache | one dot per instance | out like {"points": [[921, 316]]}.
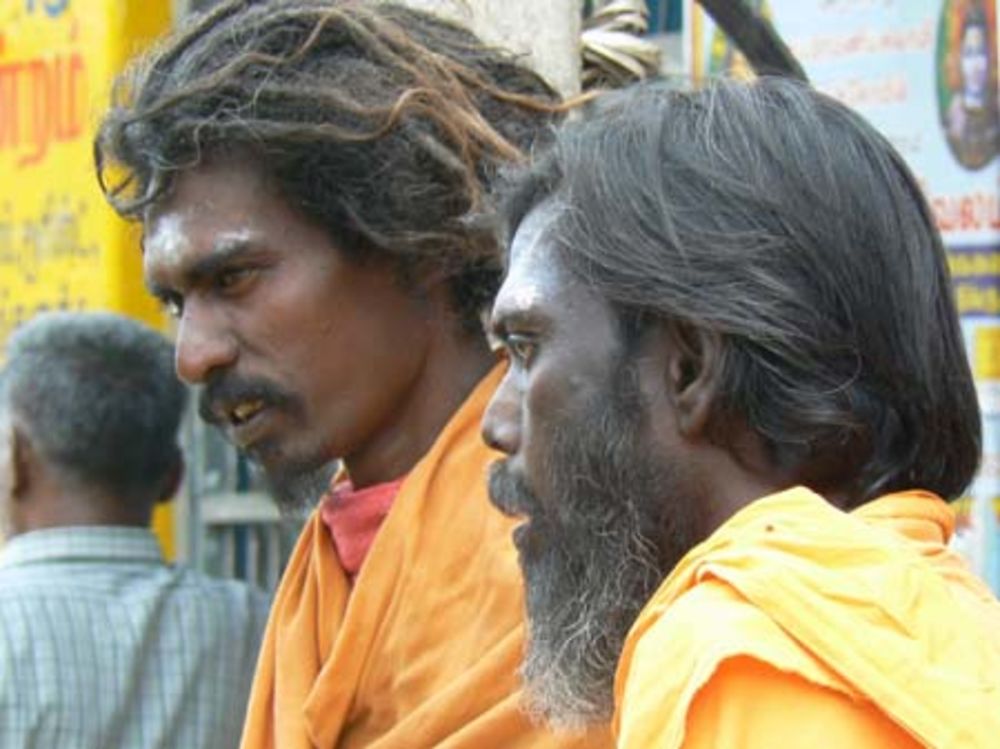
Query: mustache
{"points": [[509, 492], [228, 390]]}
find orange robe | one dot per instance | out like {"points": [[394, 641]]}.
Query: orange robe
{"points": [[425, 650], [798, 625]]}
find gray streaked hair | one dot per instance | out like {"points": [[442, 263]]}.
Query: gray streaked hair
{"points": [[781, 220], [97, 395]]}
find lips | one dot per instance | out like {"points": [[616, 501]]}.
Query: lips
{"points": [[510, 494], [247, 408], [243, 411], [244, 419], [507, 490], [533, 541], [247, 422], [520, 535]]}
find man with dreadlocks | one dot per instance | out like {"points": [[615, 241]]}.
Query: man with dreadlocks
{"points": [[305, 172]]}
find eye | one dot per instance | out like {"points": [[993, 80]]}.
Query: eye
{"points": [[520, 348], [231, 279], [173, 304]]}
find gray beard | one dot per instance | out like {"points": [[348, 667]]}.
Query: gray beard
{"points": [[296, 490], [594, 554]]}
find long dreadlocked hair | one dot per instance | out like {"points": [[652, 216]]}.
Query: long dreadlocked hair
{"points": [[384, 124]]}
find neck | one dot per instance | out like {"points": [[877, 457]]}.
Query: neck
{"points": [[731, 496], [454, 366], [62, 509], [736, 474]]}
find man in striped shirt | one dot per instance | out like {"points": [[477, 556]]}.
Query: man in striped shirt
{"points": [[102, 643]]}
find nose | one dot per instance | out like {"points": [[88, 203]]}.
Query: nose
{"points": [[202, 346], [501, 427]]}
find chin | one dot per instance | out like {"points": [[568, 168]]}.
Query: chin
{"points": [[297, 485]]}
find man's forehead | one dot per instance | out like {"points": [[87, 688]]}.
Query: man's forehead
{"points": [[533, 265], [164, 236], [181, 230], [533, 233], [213, 193]]}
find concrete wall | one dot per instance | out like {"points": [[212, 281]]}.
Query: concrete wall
{"points": [[547, 32]]}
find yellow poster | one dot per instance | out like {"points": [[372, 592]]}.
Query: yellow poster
{"points": [[61, 246]]}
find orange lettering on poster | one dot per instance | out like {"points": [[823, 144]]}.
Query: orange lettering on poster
{"points": [[977, 211], [41, 103]]}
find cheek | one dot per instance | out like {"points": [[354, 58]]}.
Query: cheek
{"points": [[355, 368], [553, 403], [540, 400], [292, 319]]}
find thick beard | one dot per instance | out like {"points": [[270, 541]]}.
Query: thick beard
{"points": [[594, 553]]}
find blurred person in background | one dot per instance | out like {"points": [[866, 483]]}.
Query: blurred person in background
{"points": [[737, 404], [308, 174], [102, 643]]}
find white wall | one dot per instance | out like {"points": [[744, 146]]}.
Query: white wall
{"points": [[547, 32]]}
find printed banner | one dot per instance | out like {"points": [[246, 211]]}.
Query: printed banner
{"points": [[61, 247]]}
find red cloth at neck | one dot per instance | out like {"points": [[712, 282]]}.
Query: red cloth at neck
{"points": [[353, 517]]}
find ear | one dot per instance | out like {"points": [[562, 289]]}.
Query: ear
{"points": [[693, 373], [172, 482], [17, 457]]}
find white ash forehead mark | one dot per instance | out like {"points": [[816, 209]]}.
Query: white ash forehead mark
{"points": [[235, 237], [531, 266], [167, 240], [525, 296]]}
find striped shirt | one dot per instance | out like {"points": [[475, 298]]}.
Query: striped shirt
{"points": [[104, 645]]}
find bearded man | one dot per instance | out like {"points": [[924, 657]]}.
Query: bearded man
{"points": [[306, 173], [737, 403]]}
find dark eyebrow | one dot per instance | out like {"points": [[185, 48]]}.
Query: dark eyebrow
{"points": [[225, 251]]}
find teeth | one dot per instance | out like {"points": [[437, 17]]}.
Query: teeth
{"points": [[243, 411]]}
